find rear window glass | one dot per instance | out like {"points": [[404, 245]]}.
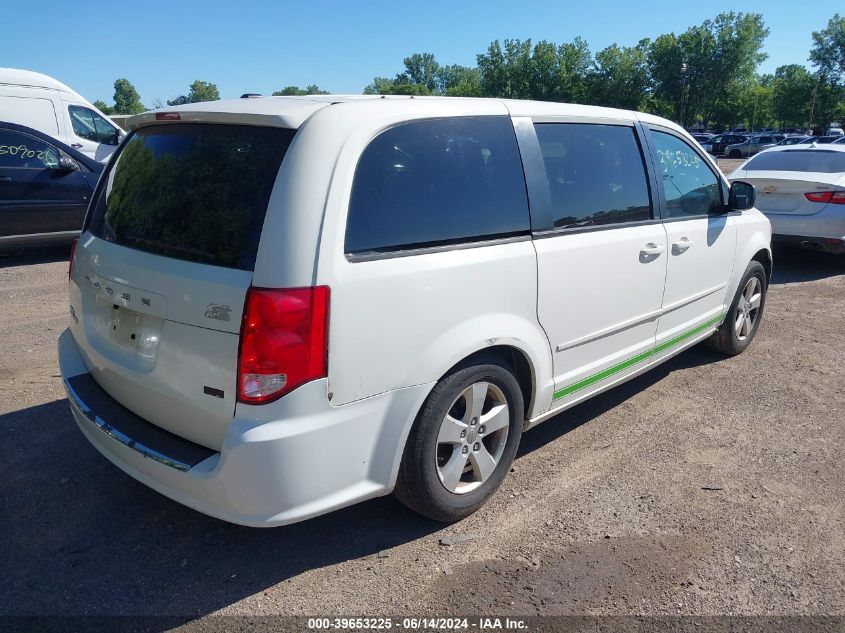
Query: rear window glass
{"points": [[435, 182], [193, 191], [826, 162]]}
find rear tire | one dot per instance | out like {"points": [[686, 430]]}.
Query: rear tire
{"points": [[744, 315], [735, 154], [463, 442]]}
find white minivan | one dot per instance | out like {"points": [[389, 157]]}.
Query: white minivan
{"points": [[283, 306], [47, 105]]}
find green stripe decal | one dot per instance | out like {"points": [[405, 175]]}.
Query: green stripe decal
{"points": [[634, 360]]}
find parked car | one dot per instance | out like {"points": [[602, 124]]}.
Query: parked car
{"points": [[45, 186], [834, 131], [717, 144], [41, 102], [824, 140], [752, 145], [266, 340], [801, 189], [839, 141], [795, 140], [703, 137]]}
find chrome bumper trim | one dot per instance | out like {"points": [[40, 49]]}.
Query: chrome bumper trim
{"points": [[124, 439]]}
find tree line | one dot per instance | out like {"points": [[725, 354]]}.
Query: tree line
{"points": [[706, 76]]}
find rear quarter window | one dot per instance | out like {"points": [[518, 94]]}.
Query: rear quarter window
{"points": [[436, 182], [196, 191]]}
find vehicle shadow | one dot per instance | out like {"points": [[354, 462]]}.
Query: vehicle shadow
{"points": [[81, 537], [794, 265], [26, 256]]}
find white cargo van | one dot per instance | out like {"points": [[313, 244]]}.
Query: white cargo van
{"points": [[281, 306], [41, 102]]}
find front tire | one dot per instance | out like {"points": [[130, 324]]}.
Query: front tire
{"points": [[743, 318], [735, 153], [463, 442]]}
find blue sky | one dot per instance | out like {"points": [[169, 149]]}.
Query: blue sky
{"points": [[261, 46]]}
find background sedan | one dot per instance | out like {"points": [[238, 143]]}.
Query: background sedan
{"points": [[801, 189]]}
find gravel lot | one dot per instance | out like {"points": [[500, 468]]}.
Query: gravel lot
{"points": [[708, 486]]}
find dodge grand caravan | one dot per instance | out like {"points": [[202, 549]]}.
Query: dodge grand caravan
{"points": [[283, 306]]}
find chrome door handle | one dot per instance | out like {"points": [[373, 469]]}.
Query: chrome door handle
{"points": [[681, 245], [651, 249], [76, 145]]}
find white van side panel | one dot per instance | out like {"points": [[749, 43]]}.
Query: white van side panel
{"points": [[405, 321], [38, 113], [459, 301]]}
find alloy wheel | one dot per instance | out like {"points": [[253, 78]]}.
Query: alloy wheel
{"points": [[472, 437], [748, 308]]}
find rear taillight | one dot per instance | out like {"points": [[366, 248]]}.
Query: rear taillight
{"points": [[70, 260], [833, 197], [168, 116], [283, 341]]}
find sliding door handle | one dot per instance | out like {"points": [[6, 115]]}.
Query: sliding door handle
{"points": [[651, 249], [681, 245]]}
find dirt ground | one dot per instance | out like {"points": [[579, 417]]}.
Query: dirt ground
{"points": [[708, 486]]}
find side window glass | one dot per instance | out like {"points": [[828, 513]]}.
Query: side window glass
{"points": [[26, 152], [436, 182], [82, 120], [690, 187], [106, 132], [596, 174]]}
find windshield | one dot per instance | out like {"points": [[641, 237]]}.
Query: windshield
{"points": [[826, 162], [194, 191]]}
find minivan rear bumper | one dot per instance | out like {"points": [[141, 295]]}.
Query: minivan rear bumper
{"points": [[280, 463]]}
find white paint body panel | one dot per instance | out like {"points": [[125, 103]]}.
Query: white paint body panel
{"points": [[599, 297], [700, 264]]}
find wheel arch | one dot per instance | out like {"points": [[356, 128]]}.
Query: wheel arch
{"points": [[517, 359], [764, 256]]}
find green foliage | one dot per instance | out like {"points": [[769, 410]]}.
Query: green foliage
{"points": [[721, 57], [620, 76], [126, 98], [420, 70], [199, 91], [459, 81], [295, 91], [103, 107], [828, 52], [792, 95], [721, 87]]}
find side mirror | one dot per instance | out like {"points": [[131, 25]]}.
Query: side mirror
{"points": [[67, 164], [741, 196]]}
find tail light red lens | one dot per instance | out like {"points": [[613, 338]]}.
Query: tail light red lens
{"points": [[283, 341], [168, 116], [833, 197], [70, 260]]}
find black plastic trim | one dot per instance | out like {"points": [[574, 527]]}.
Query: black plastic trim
{"points": [[556, 232], [369, 256], [112, 418], [536, 179]]}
